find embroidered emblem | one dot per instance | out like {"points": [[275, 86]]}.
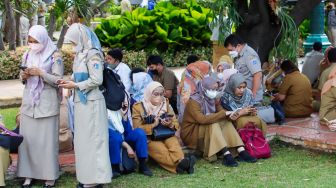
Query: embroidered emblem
{"points": [[96, 66]]}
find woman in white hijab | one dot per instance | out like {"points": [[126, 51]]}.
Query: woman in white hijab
{"points": [[93, 167], [42, 66]]}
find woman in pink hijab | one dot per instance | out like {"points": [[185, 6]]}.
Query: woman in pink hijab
{"points": [[41, 68]]}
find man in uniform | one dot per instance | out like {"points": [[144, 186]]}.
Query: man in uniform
{"points": [[247, 62]]}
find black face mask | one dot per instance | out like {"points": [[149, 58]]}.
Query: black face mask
{"points": [[154, 72]]}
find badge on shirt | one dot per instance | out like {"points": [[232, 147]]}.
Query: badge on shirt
{"points": [[96, 66], [254, 62]]}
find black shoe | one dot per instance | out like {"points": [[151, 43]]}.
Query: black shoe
{"points": [[49, 186], [115, 174], [192, 162], [229, 161], [183, 166], [80, 185], [146, 171], [244, 156]]}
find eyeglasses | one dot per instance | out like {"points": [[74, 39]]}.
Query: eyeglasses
{"points": [[158, 94]]}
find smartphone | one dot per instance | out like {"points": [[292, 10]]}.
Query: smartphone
{"points": [[23, 67]]}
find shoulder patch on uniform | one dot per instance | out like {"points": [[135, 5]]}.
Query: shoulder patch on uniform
{"points": [[96, 66], [254, 62]]}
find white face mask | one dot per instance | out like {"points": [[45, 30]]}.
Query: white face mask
{"points": [[211, 94], [220, 75], [77, 48], [233, 54], [36, 47]]}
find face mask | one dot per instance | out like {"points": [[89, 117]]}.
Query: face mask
{"points": [[36, 47], [77, 48], [220, 75], [113, 66], [156, 101], [211, 94], [233, 54], [155, 72]]}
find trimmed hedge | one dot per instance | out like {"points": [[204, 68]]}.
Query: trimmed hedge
{"points": [[10, 60]]}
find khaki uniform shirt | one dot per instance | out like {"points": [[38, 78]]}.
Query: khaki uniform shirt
{"points": [[168, 80], [298, 102]]}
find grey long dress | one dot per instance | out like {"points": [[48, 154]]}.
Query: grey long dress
{"points": [[38, 153]]}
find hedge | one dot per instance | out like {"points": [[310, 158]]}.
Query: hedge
{"points": [[10, 60]]}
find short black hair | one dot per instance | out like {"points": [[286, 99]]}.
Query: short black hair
{"points": [[136, 70], [116, 53], [332, 55], [233, 40], [317, 46], [154, 60], [192, 58], [288, 66]]}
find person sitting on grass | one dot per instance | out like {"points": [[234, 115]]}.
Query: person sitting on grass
{"points": [[207, 128], [147, 115]]}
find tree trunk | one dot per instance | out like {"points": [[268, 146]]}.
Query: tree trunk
{"points": [[17, 29], [2, 45], [11, 25], [52, 24], [260, 28], [62, 35], [17, 19]]}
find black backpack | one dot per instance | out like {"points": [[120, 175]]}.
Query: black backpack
{"points": [[113, 89]]}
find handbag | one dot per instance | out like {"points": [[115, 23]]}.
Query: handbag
{"points": [[9, 139], [266, 113], [160, 132], [255, 142], [128, 164]]}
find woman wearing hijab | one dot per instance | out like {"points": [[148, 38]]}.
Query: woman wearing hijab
{"points": [[328, 105], [238, 97], [93, 166], [206, 128], [140, 80], [168, 152], [38, 153], [192, 75]]}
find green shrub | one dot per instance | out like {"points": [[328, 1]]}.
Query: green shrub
{"points": [[10, 60], [164, 28]]}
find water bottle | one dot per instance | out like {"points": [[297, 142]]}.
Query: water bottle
{"points": [[151, 4]]}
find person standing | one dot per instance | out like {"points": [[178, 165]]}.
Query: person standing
{"points": [[93, 166], [332, 23], [247, 62], [39, 123]]}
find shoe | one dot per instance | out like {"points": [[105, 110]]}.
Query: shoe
{"points": [[244, 156], [28, 185], [145, 171], [183, 166], [80, 185], [115, 174], [49, 186], [192, 162], [229, 161]]}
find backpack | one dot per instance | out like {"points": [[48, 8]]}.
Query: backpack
{"points": [[255, 142], [113, 89]]}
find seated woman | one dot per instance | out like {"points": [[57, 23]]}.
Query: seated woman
{"points": [[238, 96], [122, 136], [4, 164], [139, 79], [191, 76], [328, 104], [206, 127], [295, 92], [168, 153]]}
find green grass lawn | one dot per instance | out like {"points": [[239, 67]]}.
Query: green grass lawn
{"points": [[8, 116], [289, 167]]}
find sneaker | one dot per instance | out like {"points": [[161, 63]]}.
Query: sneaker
{"points": [[229, 161], [245, 156]]}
